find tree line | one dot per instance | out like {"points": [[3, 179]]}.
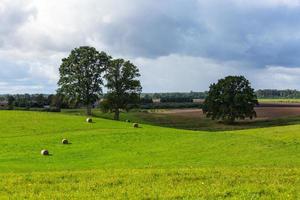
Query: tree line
{"points": [[271, 94], [86, 71], [261, 94], [145, 101]]}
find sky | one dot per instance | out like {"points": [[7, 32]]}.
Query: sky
{"points": [[178, 45]]}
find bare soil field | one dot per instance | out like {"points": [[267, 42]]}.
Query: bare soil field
{"points": [[194, 119], [262, 112]]}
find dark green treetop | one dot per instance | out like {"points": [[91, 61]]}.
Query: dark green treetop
{"points": [[123, 86], [230, 99], [81, 75]]}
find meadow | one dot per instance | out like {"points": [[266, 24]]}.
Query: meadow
{"points": [[112, 160], [280, 100]]}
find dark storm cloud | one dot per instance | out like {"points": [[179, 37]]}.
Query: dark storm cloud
{"points": [[221, 30], [203, 39]]}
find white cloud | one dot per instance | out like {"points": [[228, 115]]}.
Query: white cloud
{"points": [[184, 73], [277, 77], [180, 45], [169, 73]]}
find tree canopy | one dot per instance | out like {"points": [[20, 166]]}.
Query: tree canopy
{"points": [[81, 75], [123, 86], [230, 99]]}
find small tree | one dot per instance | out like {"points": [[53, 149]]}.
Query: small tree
{"points": [[40, 100], [123, 87], [81, 75], [230, 99], [10, 102]]}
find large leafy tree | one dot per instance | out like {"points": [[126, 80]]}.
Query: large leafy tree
{"points": [[81, 75], [123, 86], [230, 99]]}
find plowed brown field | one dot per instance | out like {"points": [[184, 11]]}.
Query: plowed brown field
{"points": [[262, 112]]}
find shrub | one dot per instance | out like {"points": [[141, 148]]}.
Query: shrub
{"points": [[51, 109]]}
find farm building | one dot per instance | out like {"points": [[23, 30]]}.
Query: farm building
{"points": [[198, 100], [3, 104], [156, 100]]}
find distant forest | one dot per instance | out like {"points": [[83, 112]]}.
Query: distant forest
{"points": [[171, 99], [261, 94]]}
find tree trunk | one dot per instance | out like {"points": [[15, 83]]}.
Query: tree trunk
{"points": [[117, 114], [89, 110]]}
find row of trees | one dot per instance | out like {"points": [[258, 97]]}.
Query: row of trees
{"points": [[180, 96], [270, 94], [175, 95], [26, 100], [85, 71], [146, 99]]}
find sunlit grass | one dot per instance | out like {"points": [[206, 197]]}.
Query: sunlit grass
{"points": [[109, 159], [203, 183], [279, 100]]}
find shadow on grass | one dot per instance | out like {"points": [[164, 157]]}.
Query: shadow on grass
{"points": [[205, 124], [189, 122]]}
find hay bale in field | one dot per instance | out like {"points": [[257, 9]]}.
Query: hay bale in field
{"points": [[64, 141], [127, 120], [135, 125], [89, 120], [45, 152]]}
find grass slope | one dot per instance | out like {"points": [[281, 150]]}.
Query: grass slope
{"points": [[109, 159], [191, 122]]}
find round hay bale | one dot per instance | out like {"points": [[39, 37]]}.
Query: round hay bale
{"points": [[89, 120], [45, 152], [64, 141], [135, 125], [127, 120]]}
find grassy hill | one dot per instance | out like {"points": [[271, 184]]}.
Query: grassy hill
{"points": [[108, 159]]}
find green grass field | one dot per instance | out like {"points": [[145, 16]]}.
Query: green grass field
{"points": [[113, 160], [279, 100]]}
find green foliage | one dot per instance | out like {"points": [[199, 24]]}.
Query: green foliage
{"points": [[105, 105], [81, 75], [11, 102], [123, 86], [230, 99], [174, 105], [175, 95], [278, 94]]}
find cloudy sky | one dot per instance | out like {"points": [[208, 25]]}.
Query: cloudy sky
{"points": [[179, 45]]}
